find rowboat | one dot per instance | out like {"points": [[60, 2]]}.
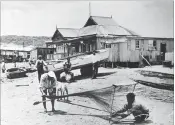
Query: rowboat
{"points": [[83, 62]]}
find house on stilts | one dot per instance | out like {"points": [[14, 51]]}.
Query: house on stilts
{"points": [[126, 47]]}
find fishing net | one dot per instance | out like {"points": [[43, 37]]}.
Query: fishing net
{"points": [[109, 99]]}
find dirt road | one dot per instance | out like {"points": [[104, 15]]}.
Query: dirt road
{"points": [[17, 101]]}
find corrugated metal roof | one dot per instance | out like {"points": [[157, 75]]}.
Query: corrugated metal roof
{"points": [[68, 32], [104, 20], [90, 30], [105, 26], [106, 30], [118, 30], [118, 40]]}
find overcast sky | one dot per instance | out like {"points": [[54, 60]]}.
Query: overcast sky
{"points": [[39, 18]]}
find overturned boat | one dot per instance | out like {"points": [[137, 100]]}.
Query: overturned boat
{"points": [[82, 62]]}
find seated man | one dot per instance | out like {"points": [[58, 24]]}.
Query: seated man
{"points": [[67, 71], [139, 112], [48, 83]]}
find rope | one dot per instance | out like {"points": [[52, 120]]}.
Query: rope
{"points": [[134, 87]]}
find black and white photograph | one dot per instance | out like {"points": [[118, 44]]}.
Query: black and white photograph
{"points": [[87, 62]]}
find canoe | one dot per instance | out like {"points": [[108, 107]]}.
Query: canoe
{"points": [[164, 86], [156, 74]]}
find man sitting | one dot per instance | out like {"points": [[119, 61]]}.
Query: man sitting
{"points": [[67, 71], [139, 112]]}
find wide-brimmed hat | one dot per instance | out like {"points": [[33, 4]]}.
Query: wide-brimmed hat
{"points": [[51, 74]]}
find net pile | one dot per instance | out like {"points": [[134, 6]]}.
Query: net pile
{"points": [[109, 99]]}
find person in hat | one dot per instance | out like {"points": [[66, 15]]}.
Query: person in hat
{"points": [[48, 84], [94, 65], [139, 112], [40, 63]]}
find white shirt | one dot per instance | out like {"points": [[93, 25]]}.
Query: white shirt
{"points": [[3, 65], [94, 59], [44, 63], [45, 83]]}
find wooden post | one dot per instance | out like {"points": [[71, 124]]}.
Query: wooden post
{"points": [[112, 65], [145, 60]]}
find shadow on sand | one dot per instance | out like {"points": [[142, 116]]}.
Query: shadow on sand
{"points": [[105, 117]]}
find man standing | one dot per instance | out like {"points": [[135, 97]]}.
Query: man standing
{"points": [[3, 66], [48, 83], [139, 112], [40, 63], [94, 65]]}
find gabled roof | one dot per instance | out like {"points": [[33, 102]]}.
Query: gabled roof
{"points": [[98, 20], [96, 25], [68, 32], [106, 30]]}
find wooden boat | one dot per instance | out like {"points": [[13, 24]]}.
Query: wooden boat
{"points": [[156, 85], [83, 62], [156, 74], [15, 73], [29, 70]]}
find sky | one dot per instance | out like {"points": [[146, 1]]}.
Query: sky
{"points": [[40, 18]]}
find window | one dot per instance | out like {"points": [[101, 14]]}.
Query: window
{"points": [[108, 45], [155, 44], [102, 45], [137, 44]]}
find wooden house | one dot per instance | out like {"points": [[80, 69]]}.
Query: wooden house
{"points": [[69, 41], [13, 52], [126, 46], [34, 53], [127, 51], [61, 34]]}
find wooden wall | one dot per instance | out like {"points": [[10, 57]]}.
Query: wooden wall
{"points": [[127, 51], [33, 54]]}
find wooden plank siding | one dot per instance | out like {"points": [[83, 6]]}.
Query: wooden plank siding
{"points": [[127, 51], [123, 53], [114, 53]]}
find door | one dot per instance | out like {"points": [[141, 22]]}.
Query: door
{"points": [[163, 51]]}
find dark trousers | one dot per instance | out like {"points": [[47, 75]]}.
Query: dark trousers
{"points": [[53, 93], [39, 75], [94, 70]]}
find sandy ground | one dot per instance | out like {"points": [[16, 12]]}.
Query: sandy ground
{"points": [[17, 102]]}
